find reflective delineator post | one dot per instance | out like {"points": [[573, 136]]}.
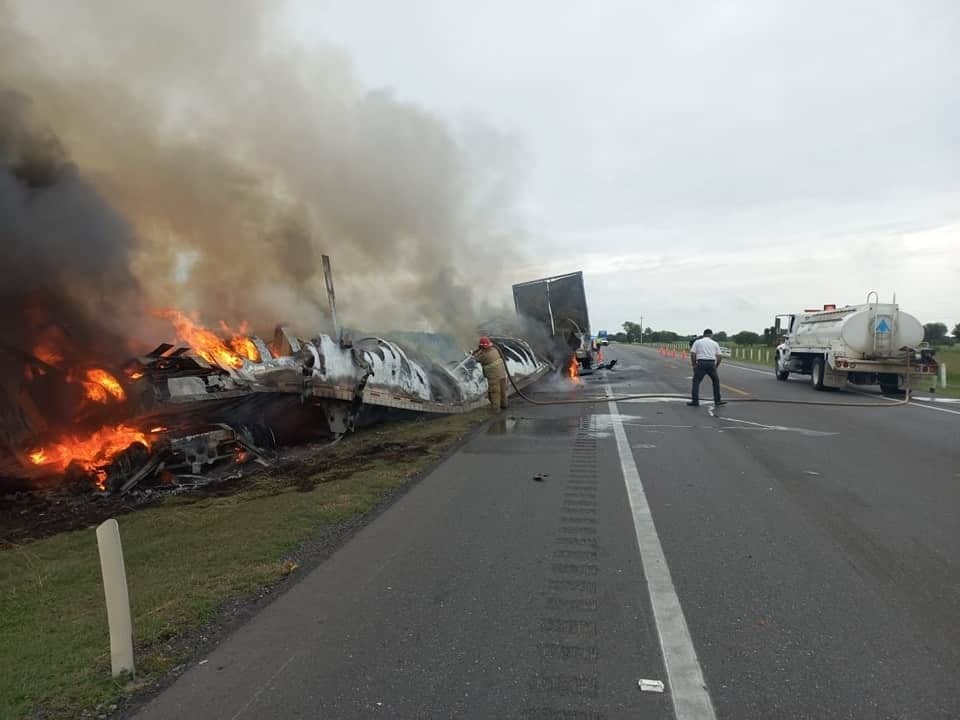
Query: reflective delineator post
{"points": [[117, 597], [943, 375]]}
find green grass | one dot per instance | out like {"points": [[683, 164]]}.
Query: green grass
{"points": [[185, 559], [950, 356]]}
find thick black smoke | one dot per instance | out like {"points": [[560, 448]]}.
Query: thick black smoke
{"points": [[66, 253]]}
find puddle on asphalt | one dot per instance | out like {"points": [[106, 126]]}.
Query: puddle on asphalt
{"points": [[600, 425], [596, 426], [533, 426], [683, 399]]}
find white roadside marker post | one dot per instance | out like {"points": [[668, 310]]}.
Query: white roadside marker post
{"points": [[943, 375], [117, 597]]}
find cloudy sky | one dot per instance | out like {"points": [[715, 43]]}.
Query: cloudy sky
{"points": [[705, 163]]}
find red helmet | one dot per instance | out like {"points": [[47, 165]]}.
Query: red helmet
{"points": [[485, 342]]}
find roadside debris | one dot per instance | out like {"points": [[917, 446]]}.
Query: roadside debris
{"points": [[651, 685]]}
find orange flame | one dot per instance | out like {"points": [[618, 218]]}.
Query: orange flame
{"points": [[96, 392], [240, 342], [101, 385], [92, 452], [48, 354], [205, 342], [245, 346], [573, 370]]}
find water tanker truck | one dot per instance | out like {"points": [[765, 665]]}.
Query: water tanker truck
{"points": [[871, 344]]}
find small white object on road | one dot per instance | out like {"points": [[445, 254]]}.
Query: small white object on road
{"points": [[203, 662], [810, 472], [651, 685]]}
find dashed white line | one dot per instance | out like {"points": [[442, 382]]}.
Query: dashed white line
{"points": [[691, 701]]}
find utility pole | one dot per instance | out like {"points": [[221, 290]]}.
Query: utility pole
{"points": [[641, 329]]}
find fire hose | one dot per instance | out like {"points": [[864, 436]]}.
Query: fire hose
{"points": [[671, 396]]}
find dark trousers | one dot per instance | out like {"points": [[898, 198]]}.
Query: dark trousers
{"points": [[701, 369]]}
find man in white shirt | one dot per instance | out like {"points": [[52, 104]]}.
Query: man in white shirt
{"points": [[705, 358]]}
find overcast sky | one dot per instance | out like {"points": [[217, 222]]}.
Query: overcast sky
{"points": [[705, 163]]}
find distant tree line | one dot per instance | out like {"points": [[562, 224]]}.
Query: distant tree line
{"points": [[935, 333], [632, 333]]}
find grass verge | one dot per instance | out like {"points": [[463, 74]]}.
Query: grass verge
{"points": [[186, 559]]}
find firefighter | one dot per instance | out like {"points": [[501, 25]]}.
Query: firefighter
{"points": [[495, 372]]}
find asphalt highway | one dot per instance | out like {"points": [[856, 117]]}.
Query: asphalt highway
{"points": [[761, 561]]}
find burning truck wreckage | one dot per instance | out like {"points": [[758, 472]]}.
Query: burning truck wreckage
{"points": [[186, 415]]}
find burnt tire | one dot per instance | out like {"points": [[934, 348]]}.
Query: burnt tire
{"points": [[816, 373]]}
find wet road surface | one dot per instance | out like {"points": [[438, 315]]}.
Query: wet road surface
{"points": [[763, 561]]}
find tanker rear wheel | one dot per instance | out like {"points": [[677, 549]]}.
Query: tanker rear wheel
{"points": [[889, 384]]}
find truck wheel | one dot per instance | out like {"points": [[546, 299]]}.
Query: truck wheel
{"points": [[816, 374], [781, 374], [889, 384]]}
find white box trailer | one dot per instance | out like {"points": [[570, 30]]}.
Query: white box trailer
{"points": [[871, 344]]}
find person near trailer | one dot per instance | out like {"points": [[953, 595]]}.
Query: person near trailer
{"points": [[494, 371], [705, 358]]}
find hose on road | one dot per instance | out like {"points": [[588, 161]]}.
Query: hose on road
{"points": [[670, 396]]}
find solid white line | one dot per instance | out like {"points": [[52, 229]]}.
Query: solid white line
{"points": [[691, 701], [748, 369], [914, 403]]}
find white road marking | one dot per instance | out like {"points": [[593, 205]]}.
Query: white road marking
{"points": [[748, 369], [782, 428], [691, 701], [915, 404]]}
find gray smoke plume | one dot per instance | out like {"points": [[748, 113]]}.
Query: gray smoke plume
{"points": [[233, 163]]}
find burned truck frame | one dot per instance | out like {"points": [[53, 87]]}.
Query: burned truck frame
{"points": [[558, 304], [193, 413]]}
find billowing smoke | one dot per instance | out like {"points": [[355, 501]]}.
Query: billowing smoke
{"points": [[66, 253], [189, 158]]}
